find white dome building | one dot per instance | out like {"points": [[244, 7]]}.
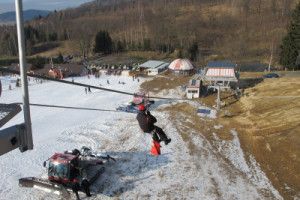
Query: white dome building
{"points": [[181, 67]]}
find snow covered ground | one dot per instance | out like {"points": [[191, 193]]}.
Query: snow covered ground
{"points": [[176, 174]]}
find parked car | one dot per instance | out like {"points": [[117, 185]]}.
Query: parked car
{"points": [[271, 75]]}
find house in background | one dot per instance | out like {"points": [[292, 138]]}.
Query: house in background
{"points": [[54, 70], [153, 67], [182, 67], [193, 89], [62, 70]]}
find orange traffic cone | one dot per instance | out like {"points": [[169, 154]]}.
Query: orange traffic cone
{"points": [[155, 148]]}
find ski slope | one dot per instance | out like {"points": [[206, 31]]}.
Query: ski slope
{"points": [[176, 174]]}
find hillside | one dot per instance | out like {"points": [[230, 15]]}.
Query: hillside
{"points": [[210, 154], [28, 15], [265, 118], [216, 30]]}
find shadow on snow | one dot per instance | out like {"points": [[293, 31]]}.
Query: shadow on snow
{"points": [[130, 168]]}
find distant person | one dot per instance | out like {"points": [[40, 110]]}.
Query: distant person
{"points": [[107, 81], [85, 184], [75, 188], [85, 89], [146, 122], [89, 89], [9, 87]]}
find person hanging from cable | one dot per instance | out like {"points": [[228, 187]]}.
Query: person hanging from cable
{"points": [[147, 121]]}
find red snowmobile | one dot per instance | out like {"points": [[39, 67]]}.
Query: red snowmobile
{"points": [[63, 168], [142, 98]]}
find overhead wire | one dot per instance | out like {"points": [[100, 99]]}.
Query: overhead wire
{"points": [[78, 84], [84, 85], [70, 107]]}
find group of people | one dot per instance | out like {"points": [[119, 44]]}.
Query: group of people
{"points": [[84, 184]]}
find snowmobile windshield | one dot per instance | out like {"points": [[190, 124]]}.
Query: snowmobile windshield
{"points": [[57, 169]]}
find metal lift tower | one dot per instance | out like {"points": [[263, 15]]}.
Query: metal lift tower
{"points": [[19, 135], [219, 75]]}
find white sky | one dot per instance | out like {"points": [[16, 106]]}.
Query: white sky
{"points": [[9, 5]]}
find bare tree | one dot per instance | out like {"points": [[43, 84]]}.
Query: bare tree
{"points": [[272, 50]]}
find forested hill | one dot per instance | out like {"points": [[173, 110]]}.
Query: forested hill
{"points": [[28, 15], [231, 30]]}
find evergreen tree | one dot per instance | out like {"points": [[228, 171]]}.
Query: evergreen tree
{"points": [[38, 62], [103, 42], [193, 50], [289, 52], [291, 42], [119, 46], [147, 44], [60, 58], [52, 37], [180, 53], [139, 46]]}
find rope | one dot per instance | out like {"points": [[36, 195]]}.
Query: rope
{"points": [[81, 84], [69, 107]]}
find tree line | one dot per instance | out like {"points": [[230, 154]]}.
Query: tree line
{"points": [[290, 47], [234, 30]]}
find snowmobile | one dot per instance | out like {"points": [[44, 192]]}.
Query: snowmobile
{"points": [[138, 99], [63, 168], [128, 108], [141, 98]]}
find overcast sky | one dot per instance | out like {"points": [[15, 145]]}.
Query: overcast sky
{"points": [[51, 5]]}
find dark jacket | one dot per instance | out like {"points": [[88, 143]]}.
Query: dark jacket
{"points": [[75, 186], [85, 183], [146, 121]]}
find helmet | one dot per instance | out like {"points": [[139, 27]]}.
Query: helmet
{"points": [[75, 180], [141, 107]]}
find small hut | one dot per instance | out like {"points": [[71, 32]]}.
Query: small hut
{"points": [[182, 67]]}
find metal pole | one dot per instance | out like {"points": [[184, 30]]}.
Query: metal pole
{"points": [[22, 61], [218, 99]]}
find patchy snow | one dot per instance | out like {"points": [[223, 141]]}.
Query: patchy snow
{"points": [[218, 126], [233, 152], [189, 167]]}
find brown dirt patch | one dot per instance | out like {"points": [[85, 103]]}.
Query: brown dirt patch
{"points": [[270, 123], [266, 118], [164, 82]]}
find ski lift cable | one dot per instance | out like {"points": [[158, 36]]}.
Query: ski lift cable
{"points": [[70, 107], [84, 85]]}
